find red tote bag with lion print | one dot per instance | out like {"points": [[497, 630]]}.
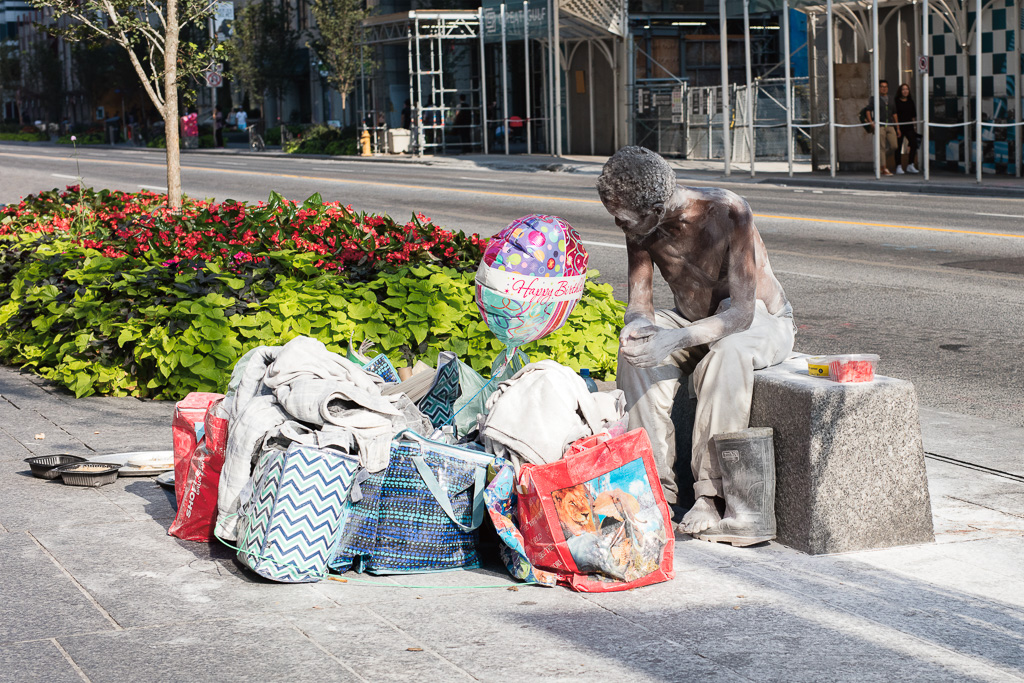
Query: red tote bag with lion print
{"points": [[598, 517]]}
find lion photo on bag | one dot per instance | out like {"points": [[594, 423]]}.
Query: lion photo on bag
{"points": [[611, 531]]}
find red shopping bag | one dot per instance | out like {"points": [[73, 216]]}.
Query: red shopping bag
{"points": [[187, 426], [197, 511], [598, 517]]}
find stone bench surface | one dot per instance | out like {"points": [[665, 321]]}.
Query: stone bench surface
{"points": [[850, 472]]}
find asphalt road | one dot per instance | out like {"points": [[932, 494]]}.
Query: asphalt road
{"points": [[933, 284]]}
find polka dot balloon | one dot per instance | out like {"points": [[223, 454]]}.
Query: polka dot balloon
{"points": [[531, 278]]}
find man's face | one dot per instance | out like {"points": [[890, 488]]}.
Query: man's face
{"points": [[883, 89], [635, 224]]}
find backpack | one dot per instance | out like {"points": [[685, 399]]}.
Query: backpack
{"points": [[863, 116]]}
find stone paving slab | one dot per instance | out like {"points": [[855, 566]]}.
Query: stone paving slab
{"points": [[37, 599], [39, 660], [253, 649]]}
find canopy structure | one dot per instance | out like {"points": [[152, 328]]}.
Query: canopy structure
{"points": [[962, 54]]}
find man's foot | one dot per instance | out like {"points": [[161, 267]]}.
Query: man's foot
{"points": [[912, 169], [899, 170], [702, 516]]}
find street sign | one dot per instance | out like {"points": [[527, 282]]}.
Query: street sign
{"points": [[214, 79], [514, 20], [923, 64]]}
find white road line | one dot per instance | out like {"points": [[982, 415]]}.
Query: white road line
{"points": [[999, 215], [154, 187], [605, 244], [483, 180], [61, 175]]}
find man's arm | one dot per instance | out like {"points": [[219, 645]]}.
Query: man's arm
{"points": [[641, 284]]}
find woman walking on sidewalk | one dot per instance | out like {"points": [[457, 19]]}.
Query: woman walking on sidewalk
{"points": [[906, 116]]}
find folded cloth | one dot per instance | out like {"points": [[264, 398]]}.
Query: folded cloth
{"points": [[246, 381], [331, 401], [305, 357], [535, 415]]}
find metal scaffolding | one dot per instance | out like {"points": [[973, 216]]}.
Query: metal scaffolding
{"points": [[425, 34]]}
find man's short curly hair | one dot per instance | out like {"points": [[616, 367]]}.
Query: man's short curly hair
{"points": [[637, 178]]}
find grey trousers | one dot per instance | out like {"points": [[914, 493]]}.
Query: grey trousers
{"points": [[723, 379]]}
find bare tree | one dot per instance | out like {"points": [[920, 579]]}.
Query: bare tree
{"points": [[339, 49], [149, 30]]}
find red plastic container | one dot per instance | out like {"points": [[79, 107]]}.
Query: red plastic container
{"points": [[852, 367]]}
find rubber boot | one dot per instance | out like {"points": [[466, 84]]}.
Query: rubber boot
{"points": [[748, 481]]}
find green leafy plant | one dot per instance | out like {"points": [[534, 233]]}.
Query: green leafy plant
{"points": [[127, 320]]}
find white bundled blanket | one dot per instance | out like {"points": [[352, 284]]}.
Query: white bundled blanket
{"points": [[534, 416]]}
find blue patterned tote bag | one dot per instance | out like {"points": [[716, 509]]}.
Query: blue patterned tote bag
{"points": [[288, 528], [419, 515]]}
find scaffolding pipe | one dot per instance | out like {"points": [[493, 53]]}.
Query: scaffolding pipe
{"points": [[724, 41], [526, 50], [925, 145], [789, 86], [420, 137], [833, 162], [412, 90], [504, 79], [590, 90], [875, 76], [483, 82], [1018, 132], [558, 81], [750, 85], [551, 82], [977, 90]]}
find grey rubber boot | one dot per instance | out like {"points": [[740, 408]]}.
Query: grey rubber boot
{"points": [[748, 481]]}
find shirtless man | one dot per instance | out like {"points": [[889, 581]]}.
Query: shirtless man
{"points": [[731, 316]]}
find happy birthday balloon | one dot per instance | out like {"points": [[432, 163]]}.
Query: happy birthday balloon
{"points": [[531, 278]]}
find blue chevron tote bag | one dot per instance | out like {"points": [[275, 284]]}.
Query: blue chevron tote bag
{"points": [[288, 528], [418, 515]]}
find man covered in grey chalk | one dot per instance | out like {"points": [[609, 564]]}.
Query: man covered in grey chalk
{"points": [[731, 316]]}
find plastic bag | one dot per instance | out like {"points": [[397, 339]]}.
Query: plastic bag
{"points": [[197, 511], [187, 428], [598, 517]]}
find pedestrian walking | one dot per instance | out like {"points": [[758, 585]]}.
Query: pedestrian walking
{"points": [[218, 127], [906, 116], [242, 119]]}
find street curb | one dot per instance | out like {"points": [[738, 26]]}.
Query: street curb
{"points": [[982, 190]]}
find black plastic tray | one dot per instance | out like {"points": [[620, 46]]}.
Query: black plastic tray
{"points": [[99, 474], [45, 466]]}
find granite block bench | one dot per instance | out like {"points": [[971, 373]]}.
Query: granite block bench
{"points": [[850, 471]]}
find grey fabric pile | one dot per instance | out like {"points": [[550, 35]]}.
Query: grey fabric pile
{"points": [[303, 393]]}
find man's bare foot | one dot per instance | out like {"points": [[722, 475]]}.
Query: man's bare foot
{"points": [[702, 516]]}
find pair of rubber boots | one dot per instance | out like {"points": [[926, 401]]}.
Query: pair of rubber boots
{"points": [[747, 460]]}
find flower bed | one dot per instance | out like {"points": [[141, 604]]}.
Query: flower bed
{"points": [[110, 293]]}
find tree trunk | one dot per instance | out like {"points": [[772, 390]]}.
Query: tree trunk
{"points": [[171, 106]]}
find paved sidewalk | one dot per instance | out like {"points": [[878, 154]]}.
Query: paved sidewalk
{"points": [[92, 588]]}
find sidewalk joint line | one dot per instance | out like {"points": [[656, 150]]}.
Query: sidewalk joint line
{"points": [[981, 505], [16, 407], [74, 665], [88, 596], [426, 648], [975, 466], [327, 652]]}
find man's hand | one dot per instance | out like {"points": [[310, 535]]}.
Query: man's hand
{"points": [[649, 346], [641, 326]]}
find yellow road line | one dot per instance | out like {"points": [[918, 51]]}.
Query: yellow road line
{"points": [[505, 194]]}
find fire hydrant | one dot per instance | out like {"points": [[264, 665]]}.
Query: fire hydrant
{"points": [[364, 141]]}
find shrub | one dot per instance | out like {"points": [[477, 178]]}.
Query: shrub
{"points": [[23, 136], [83, 139], [322, 139], [109, 293]]}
